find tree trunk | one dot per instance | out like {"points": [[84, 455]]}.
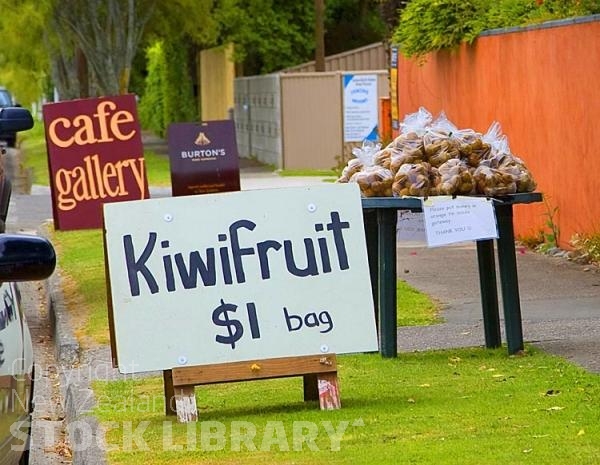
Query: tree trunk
{"points": [[319, 35], [83, 74]]}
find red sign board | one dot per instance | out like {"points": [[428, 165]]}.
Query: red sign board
{"points": [[204, 158], [95, 156]]}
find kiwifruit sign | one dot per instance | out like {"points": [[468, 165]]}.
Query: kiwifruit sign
{"points": [[237, 276]]}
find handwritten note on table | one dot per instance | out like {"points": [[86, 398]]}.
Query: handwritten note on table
{"points": [[449, 220]]}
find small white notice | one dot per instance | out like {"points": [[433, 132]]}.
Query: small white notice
{"points": [[449, 220], [410, 227]]}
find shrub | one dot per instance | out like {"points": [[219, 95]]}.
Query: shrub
{"points": [[168, 95], [426, 26], [151, 105]]}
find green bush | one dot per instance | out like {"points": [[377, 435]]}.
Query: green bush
{"points": [[168, 95], [426, 26], [178, 93], [151, 105]]}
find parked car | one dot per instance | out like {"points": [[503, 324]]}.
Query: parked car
{"points": [[22, 258], [7, 136]]}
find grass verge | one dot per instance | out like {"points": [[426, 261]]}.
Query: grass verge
{"points": [[463, 407], [415, 308], [33, 146], [80, 257]]}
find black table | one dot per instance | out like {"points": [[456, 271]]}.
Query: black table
{"points": [[380, 218]]}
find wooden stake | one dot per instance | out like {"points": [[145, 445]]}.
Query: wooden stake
{"points": [[169, 393], [185, 403], [329, 391], [311, 387]]}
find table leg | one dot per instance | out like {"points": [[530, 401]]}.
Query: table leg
{"points": [[386, 233], [370, 222], [507, 262], [489, 293]]}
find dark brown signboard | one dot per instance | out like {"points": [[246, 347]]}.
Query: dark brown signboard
{"points": [[95, 156], [204, 158]]}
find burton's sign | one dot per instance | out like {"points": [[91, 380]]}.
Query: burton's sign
{"points": [[238, 276], [204, 158], [95, 156]]}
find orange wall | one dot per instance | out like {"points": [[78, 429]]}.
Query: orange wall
{"points": [[543, 86]]}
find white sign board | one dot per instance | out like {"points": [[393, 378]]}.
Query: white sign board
{"points": [[238, 276], [361, 117], [410, 226], [449, 220]]}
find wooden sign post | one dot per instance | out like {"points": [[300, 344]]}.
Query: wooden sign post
{"points": [[319, 380], [239, 286]]}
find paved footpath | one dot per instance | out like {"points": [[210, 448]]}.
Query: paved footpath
{"points": [[560, 301]]}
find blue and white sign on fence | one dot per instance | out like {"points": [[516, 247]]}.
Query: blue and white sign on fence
{"points": [[360, 107]]}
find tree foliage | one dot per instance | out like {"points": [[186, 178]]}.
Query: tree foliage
{"points": [[268, 34], [108, 33], [352, 23], [189, 19], [56, 38], [274, 34], [151, 106], [426, 25], [24, 62], [168, 96], [97, 44], [389, 11]]}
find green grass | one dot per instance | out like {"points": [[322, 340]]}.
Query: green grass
{"points": [[33, 145], [81, 261], [587, 247], [462, 407], [415, 308], [157, 169]]}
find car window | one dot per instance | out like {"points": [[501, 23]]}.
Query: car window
{"points": [[5, 99]]}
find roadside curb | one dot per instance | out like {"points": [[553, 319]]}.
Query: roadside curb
{"points": [[66, 346], [86, 437]]}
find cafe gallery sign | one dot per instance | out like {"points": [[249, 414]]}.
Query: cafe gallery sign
{"points": [[237, 276], [95, 156]]}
